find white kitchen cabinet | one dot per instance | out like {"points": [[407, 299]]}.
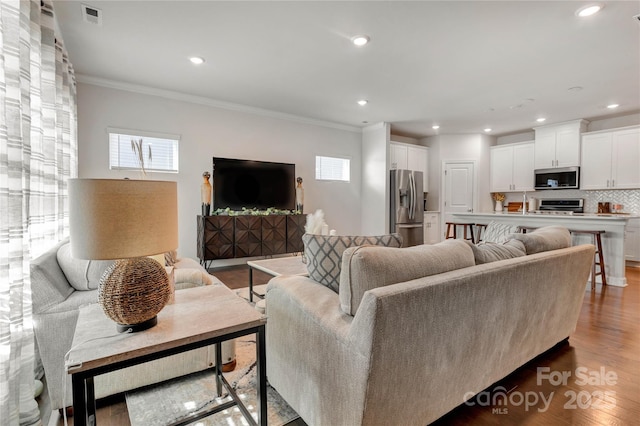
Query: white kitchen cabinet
{"points": [[398, 156], [512, 167], [611, 159], [632, 240], [432, 228], [410, 157], [558, 145]]}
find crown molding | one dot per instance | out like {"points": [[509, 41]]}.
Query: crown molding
{"points": [[201, 100]]}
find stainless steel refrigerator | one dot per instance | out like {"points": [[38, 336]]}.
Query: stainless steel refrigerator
{"points": [[407, 207]]}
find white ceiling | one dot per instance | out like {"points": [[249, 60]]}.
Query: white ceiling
{"points": [[464, 65]]}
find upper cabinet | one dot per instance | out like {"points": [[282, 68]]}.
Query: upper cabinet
{"points": [[610, 159], [512, 167], [410, 157], [558, 145], [398, 154]]}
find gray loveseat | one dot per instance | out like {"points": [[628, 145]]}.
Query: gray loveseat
{"points": [[414, 332], [61, 285]]}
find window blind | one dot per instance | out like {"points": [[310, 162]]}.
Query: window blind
{"points": [[333, 168], [160, 152]]}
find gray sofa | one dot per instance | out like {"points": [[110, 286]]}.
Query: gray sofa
{"points": [[61, 285], [414, 332]]}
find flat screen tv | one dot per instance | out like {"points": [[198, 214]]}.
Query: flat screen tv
{"points": [[253, 184]]}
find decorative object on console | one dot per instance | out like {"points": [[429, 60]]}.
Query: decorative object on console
{"points": [[126, 220], [205, 194], [299, 195], [315, 223]]}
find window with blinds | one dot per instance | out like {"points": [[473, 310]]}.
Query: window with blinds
{"points": [[159, 151], [333, 168]]}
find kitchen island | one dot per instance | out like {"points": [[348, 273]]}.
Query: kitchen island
{"points": [[612, 239]]}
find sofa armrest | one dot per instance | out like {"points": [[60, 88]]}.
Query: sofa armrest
{"points": [[311, 361], [313, 301], [49, 285]]}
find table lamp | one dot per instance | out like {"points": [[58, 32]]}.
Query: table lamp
{"points": [[126, 220]]}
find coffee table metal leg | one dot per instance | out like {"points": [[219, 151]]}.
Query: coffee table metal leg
{"points": [[250, 284], [261, 370]]}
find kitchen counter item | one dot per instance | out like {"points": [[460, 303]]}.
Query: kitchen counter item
{"points": [[604, 207]]}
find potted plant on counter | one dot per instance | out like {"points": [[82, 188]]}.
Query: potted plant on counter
{"points": [[498, 197]]}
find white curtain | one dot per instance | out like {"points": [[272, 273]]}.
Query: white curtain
{"points": [[38, 152]]}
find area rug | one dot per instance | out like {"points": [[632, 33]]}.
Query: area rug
{"points": [[173, 400]]}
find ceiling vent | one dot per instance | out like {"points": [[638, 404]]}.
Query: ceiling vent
{"points": [[91, 15]]}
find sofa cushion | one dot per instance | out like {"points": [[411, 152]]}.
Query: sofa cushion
{"points": [[498, 232], [545, 239], [491, 252], [323, 254], [365, 268], [82, 274]]}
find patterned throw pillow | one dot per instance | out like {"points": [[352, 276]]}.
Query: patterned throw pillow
{"points": [[324, 254], [498, 232]]}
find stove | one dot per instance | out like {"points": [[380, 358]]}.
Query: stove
{"points": [[561, 206]]}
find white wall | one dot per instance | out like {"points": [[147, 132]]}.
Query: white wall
{"points": [[375, 184], [471, 147], [208, 131]]}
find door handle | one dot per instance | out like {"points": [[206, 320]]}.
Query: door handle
{"points": [[411, 196]]}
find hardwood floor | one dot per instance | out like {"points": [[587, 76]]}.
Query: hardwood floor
{"points": [[604, 350]]}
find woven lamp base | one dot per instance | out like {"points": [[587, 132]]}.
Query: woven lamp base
{"points": [[133, 291]]}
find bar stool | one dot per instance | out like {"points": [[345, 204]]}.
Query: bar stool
{"points": [[466, 227], [598, 258], [525, 229], [480, 228]]}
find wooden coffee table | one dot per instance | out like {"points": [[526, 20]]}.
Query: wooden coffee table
{"points": [[200, 316], [291, 265]]}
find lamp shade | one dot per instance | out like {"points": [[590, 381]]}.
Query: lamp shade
{"points": [[119, 219]]}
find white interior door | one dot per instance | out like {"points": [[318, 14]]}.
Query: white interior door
{"points": [[458, 190]]}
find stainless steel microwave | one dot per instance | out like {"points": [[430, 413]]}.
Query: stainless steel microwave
{"points": [[558, 178]]}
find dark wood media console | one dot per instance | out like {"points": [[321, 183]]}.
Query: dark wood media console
{"points": [[227, 237]]}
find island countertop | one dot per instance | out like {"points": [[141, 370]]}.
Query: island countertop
{"points": [[579, 216], [613, 226]]}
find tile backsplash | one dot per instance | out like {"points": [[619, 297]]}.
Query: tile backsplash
{"points": [[629, 198]]}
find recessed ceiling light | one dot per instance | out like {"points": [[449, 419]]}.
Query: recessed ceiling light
{"points": [[541, 119], [435, 127], [363, 102], [360, 40], [613, 106], [488, 129], [589, 10], [196, 60]]}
